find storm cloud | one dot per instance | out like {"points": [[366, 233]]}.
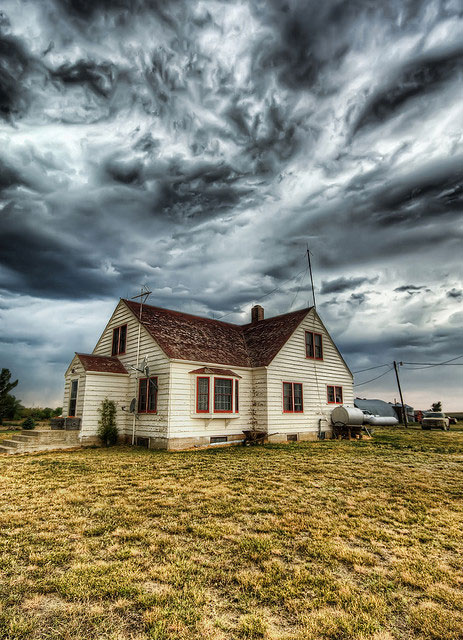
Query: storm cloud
{"points": [[200, 146]]}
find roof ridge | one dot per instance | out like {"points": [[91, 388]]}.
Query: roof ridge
{"points": [[184, 313], [216, 320]]}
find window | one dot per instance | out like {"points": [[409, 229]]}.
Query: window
{"points": [[223, 395], [217, 439], [334, 394], [119, 340], [147, 395], [73, 398], [202, 395], [313, 345], [292, 397], [237, 397]]}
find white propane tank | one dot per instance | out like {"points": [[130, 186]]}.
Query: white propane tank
{"points": [[347, 416], [384, 421]]}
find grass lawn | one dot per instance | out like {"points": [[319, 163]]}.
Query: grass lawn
{"points": [[329, 540]]}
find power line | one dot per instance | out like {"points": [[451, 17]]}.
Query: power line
{"points": [[377, 378], [428, 365], [370, 368]]}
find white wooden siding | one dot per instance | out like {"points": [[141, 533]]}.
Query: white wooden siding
{"points": [[291, 365], [150, 424], [79, 375], [99, 386]]}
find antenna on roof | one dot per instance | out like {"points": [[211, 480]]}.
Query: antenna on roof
{"points": [[311, 276], [144, 294]]}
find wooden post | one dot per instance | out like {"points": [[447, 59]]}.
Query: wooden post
{"points": [[404, 413]]}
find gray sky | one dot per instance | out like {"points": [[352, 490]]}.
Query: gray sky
{"points": [[198, 146]]}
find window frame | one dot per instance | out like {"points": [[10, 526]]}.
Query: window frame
{"points": [[71, 399], [145, 380], [198, 410], [313, 334], [292, 397], [335, 387], [118, 351], [236, 384], [231, 395]]}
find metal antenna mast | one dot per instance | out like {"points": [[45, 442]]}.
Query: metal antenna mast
{"points": [[143, 295], [311, 277]]}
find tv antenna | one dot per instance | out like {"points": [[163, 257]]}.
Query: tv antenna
{"points": [[143, 295], [311, 276]]}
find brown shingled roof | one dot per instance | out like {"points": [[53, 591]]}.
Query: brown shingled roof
{"points": [[186, 337], [105, 364]]}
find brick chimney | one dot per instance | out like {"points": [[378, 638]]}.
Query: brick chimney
{"points": [[257, 313]]}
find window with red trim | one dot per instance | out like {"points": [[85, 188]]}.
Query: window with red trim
{"points": [[223, 395], [202, 395], [119, 340], [334, 394], [313, 345], [237, 397], [292, 397], [148, 395], [73, 398]]}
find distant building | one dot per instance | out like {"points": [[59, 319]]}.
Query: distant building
{"points": [[386, 409]]}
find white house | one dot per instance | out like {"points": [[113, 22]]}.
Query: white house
{"points": [[208, 380]]}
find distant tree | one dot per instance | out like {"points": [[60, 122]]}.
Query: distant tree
{"points": [[436, 406], [28, 424], [5, 387], [47, 413], [107, 429], [58, 411], [12, 408]]}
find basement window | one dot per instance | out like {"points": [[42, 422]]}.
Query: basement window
{"points": [[334, 394], [313, 345], [291, 437], [119, 340], [217, 439]]}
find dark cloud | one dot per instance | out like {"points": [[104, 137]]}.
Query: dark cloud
{"points": [[416, 79], [409, 288], [199, 146], [339, 285]]}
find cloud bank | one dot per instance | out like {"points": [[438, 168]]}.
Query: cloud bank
{"points": [[198, 146]]}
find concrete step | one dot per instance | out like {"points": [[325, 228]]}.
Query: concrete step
{"points": [[37, 448], [46, 440]]}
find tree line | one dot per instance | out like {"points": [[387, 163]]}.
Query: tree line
{"points": [[11, 407]]}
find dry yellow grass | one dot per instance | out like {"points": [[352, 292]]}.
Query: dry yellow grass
{"points": [[327, 540]]}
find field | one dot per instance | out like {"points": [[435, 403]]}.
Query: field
{"points": [[327, 540]]}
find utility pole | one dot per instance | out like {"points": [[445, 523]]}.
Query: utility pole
{"points": [[404, 414], [311, 277]]}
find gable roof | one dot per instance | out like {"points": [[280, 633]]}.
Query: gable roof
{"points": [[104, 364], [183, 336]]}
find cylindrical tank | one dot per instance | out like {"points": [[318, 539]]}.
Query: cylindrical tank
{"points": [[347, 415], [381, 421]]}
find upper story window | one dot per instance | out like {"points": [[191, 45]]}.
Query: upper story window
{"points": [[119, 340], [313, 345], [148, 395], [292, 397], [73, 398], [334, 394]]}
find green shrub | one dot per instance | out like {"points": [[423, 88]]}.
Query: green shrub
{"points": [[28, 424], [107, 429]]}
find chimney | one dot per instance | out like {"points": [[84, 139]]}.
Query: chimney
{"points": [[257, 313]]}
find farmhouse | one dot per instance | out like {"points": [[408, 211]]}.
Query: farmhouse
{"points": [[193, 381]]}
